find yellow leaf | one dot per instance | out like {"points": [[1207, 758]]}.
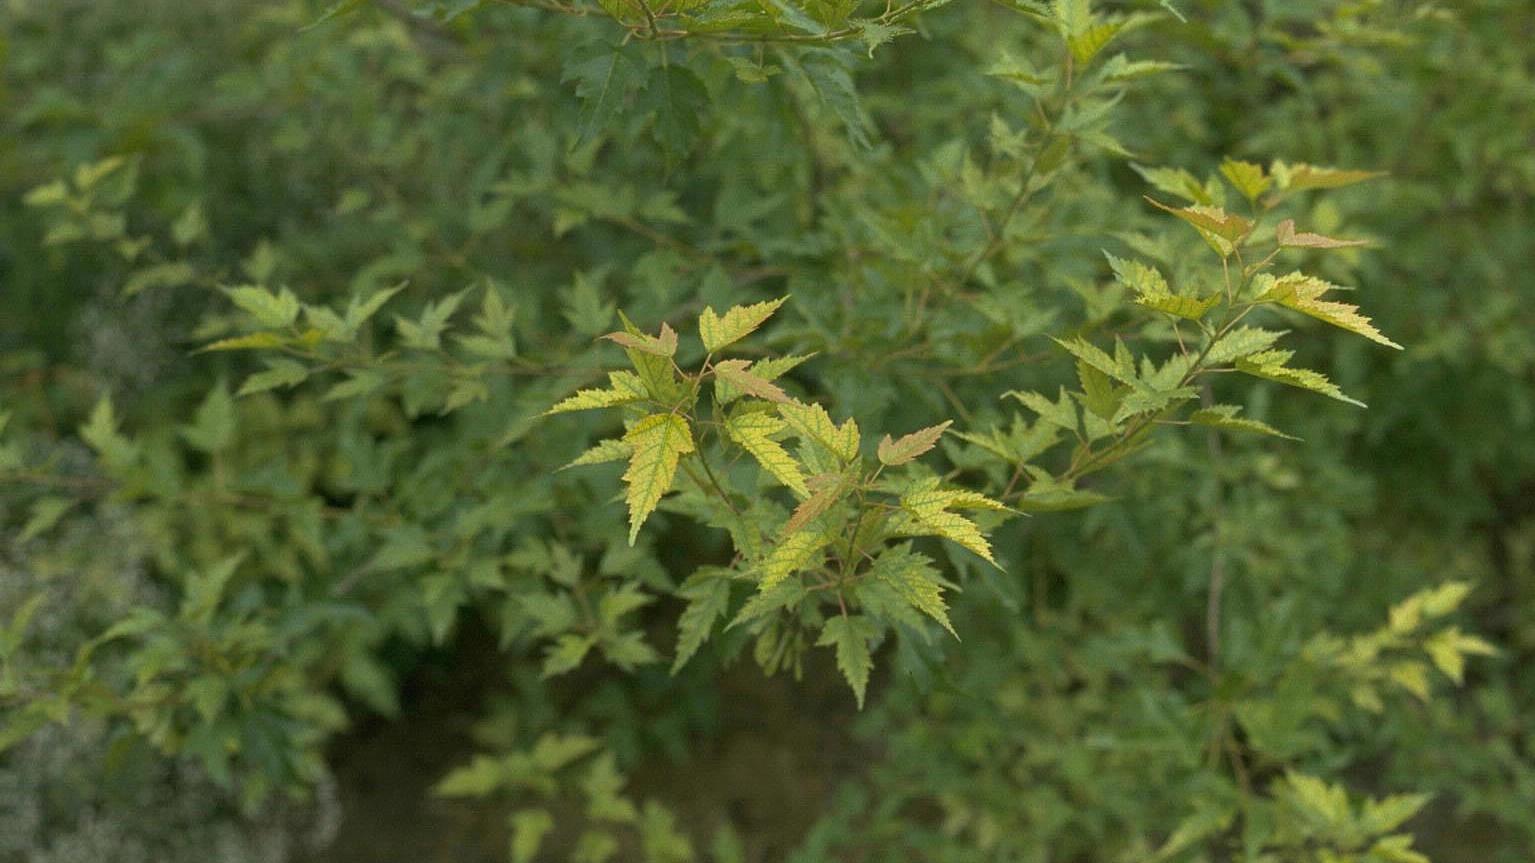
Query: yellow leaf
{"points": [[658, 442]]}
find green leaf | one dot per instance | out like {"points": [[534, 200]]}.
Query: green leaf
{"points": [[850, 635], [481, 777], [100, 432], [676, 99], [566, 653], [170, 274], [829, 75], [359, 382], [720, 331], [425, 333], [909, 447], [708, 596], [1176, 181], [45, 513], [280, 372], [1059, 500], [495, 325], [213, 425], [753, 431], [1225, 417], [1062, 412], [603, 82], [658, 441]]}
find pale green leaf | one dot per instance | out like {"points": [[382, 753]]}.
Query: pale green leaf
{"points": [[850, 635]]}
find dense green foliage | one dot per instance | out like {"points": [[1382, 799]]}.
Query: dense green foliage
{"points": [[1004, 363]]}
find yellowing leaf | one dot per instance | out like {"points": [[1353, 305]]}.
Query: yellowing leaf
{"points": [[1096, 357], [908, 447], [1246, 177], [1304, 293], [928, 509], [1271, 366], [664, 345], [812, 424], [1241, 342], [735, 373], [1285, 235], [792, 554], [1300, 177], [603, 452], [1152, 290], [658, 442], [1228, 226], [914, 579], [1449, 648], [624, 388], [826, 490], [753, 431], [253, 341], [1086, 44], [718, 331]]}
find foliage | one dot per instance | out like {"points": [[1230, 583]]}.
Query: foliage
{"points": [[961, 346]]}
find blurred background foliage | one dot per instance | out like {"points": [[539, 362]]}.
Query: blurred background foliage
{"points": [[316, 621]]}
